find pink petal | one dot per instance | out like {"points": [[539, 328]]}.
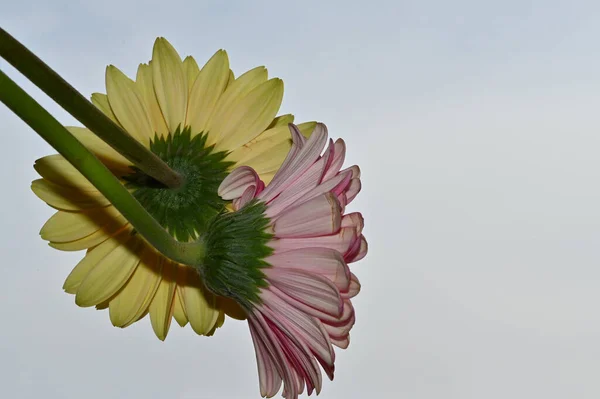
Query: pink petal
{"points": [[305, 183], [362, 251], [339, 154], [319, 216], [328, 157], [354, 219], [248, 196], [335, 185], [305, 331], [343, 200], [318, 261], [355, 170], [353, 190], [236, 183], [297, 166], [301, 306], [341, 343], [342, 327], [298, 142], [309, 288], [341, 241], [298, 361], [274, 349], [352, 250], [353, 288], [268, 376]]}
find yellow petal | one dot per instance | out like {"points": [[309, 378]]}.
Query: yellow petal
{"points": [[200, 305], [178, 310], [133, 300], [207, 89], [88, 263], [191, 69], [60, 171], [263, 145], [170, 83], [101, 102], [250, 116], [231, 78], [70, 226], [110, 273], [127, 104], [234, 93], [103, 151], [218, 324], [116, 226], [266, 153], [144, 84], [66, 198], [282, 120], [161, 307]]}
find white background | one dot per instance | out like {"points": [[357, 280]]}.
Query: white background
{"points": [[476, 126]]}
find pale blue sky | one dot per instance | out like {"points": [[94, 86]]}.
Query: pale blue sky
{"points": [[476, 126]]}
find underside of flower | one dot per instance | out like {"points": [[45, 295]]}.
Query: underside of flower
{"points": [[202, 121], [185, 211], [298, 297]]}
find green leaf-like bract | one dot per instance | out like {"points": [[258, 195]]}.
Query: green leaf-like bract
{"points": [[236, 246], [185, 211]]}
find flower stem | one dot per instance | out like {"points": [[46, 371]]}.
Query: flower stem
{"points": [[84, 161], [84, 111]]}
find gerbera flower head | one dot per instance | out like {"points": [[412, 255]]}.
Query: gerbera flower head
{"points": [[283, 255], [202, 122]]}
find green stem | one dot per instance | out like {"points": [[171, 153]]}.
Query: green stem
{"points": [[81, 158], [84, 111]]}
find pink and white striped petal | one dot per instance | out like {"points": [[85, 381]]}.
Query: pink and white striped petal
{"points": [[337, 161], [317, 217], [271, 343], [236, 183], [353, 190], [301, 186], [344, 324], [305, 331], [336, 186], [354, 219], [268, 376], [353, 288], [341, 242], [313, 260], [310, 289], [300, 163]]}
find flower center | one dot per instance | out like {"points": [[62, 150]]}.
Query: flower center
{"points": [[186, 210]]}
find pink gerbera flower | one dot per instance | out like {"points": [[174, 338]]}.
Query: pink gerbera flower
{"points": [[283, 254]]}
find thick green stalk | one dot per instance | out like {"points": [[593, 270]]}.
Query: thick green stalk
{"points": [[84, 111], [81, 158]]}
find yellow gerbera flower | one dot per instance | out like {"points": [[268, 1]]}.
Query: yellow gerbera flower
{"points": [[202, 123]]}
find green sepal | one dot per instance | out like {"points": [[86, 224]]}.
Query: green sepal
{"points": [[236, 246]]}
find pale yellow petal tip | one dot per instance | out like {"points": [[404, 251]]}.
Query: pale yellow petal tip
{"points": [[189, 58], [110, 70], [162, 45], [97, 96], [161, 333], [82, 301], [69, 287]]}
